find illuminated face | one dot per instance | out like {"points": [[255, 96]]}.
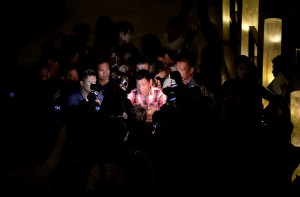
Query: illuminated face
{"points": [[185, 71], [163, 61], [72, 75], [75, 57], [45, 74], [86, 84], [142, 66], [143, 86], [103, 71], [126, 38]]}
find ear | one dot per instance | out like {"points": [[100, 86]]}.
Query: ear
{"points": [[121, 34], [81, 83], [150, 67], [151, 82], [166, 56], [192, 70]]}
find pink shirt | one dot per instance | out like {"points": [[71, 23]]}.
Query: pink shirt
{"points": [[156, 98]]}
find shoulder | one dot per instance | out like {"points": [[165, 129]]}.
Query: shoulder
{"points": [[228, 83], [156, 90], [74, 98], [100, 96], [132, 92], [74, 95]]}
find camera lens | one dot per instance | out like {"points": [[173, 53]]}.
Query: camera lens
{"points": [[92, 96], [93, 87]]}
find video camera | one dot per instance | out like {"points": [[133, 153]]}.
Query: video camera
{"points": [[172, 90], [92, 96], [120, 80]]}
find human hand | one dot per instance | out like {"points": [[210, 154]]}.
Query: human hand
{"points": [[204, 90], [123, 68], [98, 102]]}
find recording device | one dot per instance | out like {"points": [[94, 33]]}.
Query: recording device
{"points": [[116, 104], [161, 80], [93, 95], [163, 120], [172, 90], [124, 83], [57, 108], [154, 127], [120, 80]]}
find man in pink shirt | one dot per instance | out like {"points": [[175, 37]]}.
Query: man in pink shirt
{"points": [[146, 95]]}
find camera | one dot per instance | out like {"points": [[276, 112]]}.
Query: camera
{"points": [[172, 90], [171, 94], [124, 83], [90, 104], [93, 95], [120, 80]]}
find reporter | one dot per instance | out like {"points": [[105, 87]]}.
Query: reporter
{"points": [[81, 95]]}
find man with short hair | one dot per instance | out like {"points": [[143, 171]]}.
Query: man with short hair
{"points": [[81, 95], [145, 94]]}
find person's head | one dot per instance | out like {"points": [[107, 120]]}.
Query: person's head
{"points": [[124, 32], [87, 78], [70, 42], [165, 58], [282, 64], [45, 74], [174, 27], [104, 26], [150, 44], [185, 65], [243, 66], [70, 73], [83, 30], [143, 62], [191, 28], [49, 64], [72, 54], [138, 113], [128, 55], [143, 81], [103, 69]]}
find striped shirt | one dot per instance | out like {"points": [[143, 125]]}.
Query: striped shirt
{"points": [[156, 98]]}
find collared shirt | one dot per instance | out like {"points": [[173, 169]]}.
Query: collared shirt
{"points": [[77, 97], [156, 98], [103, 88], [191, 83]]}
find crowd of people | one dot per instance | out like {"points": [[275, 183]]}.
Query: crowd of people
{"points": [[114, 119]]}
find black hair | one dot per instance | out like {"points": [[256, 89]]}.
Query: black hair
{"points": [[187, 56], [176, 22], [242, 59], [138, 113], [82, 28], [284, 64], [123, 26], [85, 73], [104, 25], [143, 74], [143, 59], [150, 44], [101, 60]]}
